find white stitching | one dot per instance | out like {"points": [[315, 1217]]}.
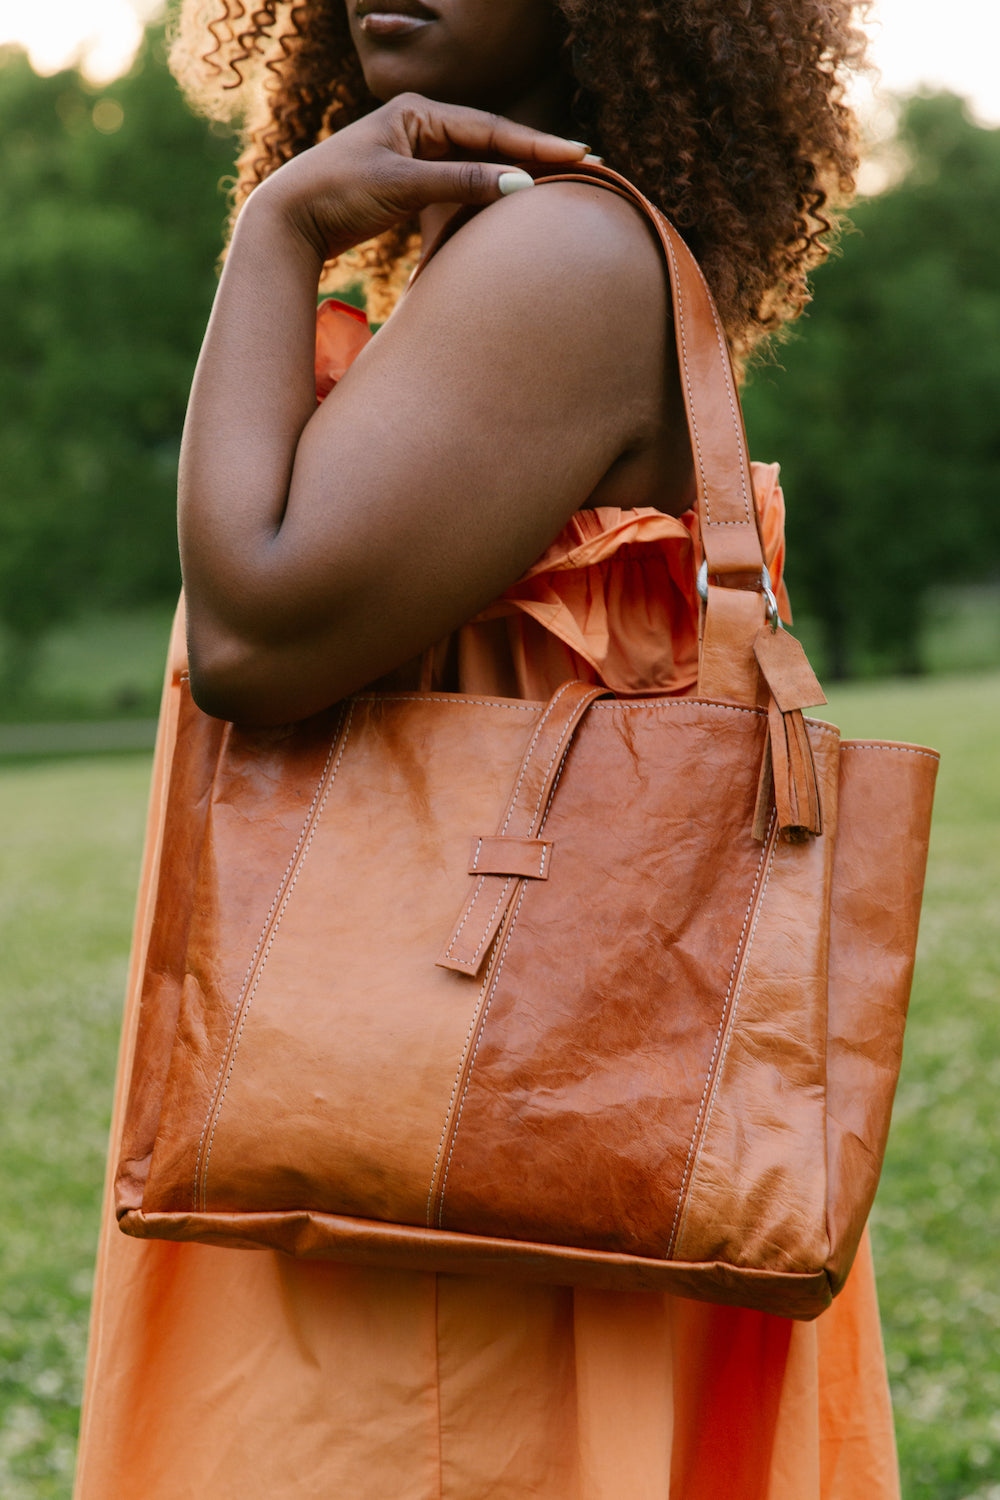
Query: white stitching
{"points": [[467, 914], [599, 705], [733, 410], [472, 1064], [722, 708], [253, 958], [659, 702], [687, 371], [475, 858], [767, 850], [893, 749], [561, 748], [454, 1090], [217, 1107], [729, 1033], [457, 702], [548, 805]]}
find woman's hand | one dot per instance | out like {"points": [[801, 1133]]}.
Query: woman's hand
{"points": [[396, 162]]}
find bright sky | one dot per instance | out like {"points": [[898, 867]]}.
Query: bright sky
{"points": [[102, 34], [955, 46]]}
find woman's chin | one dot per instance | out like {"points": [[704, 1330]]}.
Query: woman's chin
{"points": [[391, 74], [414, 69]]}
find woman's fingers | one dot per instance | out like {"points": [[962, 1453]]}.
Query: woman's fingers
{"points": [[400, 159], [439, 150], [424, 182], [435, 130]]}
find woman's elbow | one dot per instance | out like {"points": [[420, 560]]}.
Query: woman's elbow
{"points": [[222, 678], [259, 683]]}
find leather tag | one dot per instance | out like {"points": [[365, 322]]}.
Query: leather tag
{"points": [[792, 682]]}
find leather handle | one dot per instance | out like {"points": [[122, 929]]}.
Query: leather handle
{"points": [[492, 894]]}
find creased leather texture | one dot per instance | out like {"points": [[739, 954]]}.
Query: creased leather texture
{"points": [[637, 1047]]}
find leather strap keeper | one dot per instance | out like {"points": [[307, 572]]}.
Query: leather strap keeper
{"points": [[529, 858]]}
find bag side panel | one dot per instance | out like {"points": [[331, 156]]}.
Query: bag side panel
{"points": [[886, 793], [196, 752]]}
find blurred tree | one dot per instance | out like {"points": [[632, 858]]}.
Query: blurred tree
{"points": [[884, 408], [112, 222]]}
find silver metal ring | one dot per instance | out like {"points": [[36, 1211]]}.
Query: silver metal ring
{"points": [[774, 619]]}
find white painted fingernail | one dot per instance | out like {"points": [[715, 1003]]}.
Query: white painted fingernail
{"points": [[594, 161], [580, 145], [513, 182]]}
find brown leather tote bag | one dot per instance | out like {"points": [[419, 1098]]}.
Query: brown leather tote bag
{"points": [[417, 996]]}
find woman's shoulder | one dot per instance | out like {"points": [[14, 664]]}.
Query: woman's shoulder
{"points": [[563, 285], [558, 264], [576, 212]]}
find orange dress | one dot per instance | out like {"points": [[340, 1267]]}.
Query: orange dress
{"points": [[232, 1374]]}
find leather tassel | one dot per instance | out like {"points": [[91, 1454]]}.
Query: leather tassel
{"points": [[788, 771], [793, 775]]}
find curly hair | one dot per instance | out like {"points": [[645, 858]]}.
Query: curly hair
{"points": [[731, 115]]}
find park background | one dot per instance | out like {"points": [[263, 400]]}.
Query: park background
{"points": [[884, 408]]}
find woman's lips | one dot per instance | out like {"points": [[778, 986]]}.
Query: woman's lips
{"points": [[392, 18]]}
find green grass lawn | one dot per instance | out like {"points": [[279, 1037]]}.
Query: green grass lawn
{"points": [[69, 860], [937, 1218], [68, 863]]}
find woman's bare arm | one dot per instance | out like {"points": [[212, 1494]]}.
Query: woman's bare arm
{"points": [[323, 547]]}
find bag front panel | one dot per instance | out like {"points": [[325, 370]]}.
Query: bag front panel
{"points": [[605, 1024], [252, 815], [335, 1075], [757, 1182]]}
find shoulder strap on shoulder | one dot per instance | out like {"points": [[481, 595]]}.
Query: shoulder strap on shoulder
{"points": [[727, 511]]}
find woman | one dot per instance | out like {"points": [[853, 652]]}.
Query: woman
{"points": [[493, 495]]}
